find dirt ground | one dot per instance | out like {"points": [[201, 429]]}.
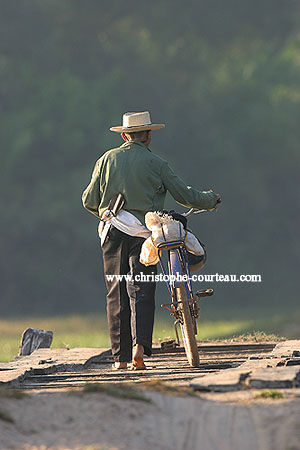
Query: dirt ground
{"points": [[96, 421]]}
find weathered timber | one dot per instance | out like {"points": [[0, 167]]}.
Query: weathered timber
{"points": [[256, 372], [46, 360], [221, 347], [60, 368], [275, 378], [227, 380], [287, 349], [32, 339]]}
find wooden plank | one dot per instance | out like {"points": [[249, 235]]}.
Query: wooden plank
{"points": [[274, 378], [48, 361], [263, 373], [286, 348], [227, 380], [221, 347], [33, 339]]}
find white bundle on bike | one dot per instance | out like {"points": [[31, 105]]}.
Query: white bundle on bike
{"points": [[166, 230]]}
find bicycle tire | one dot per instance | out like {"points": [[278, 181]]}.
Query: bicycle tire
{"points": [[188, 328]]}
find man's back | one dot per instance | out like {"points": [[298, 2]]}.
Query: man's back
{"points": [[143, 178], [135, 172]]}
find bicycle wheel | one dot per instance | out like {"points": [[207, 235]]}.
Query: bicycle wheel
{"points": [[188, 328]]}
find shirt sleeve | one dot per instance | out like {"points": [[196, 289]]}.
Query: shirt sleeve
{"points": [[186, 195], [91, 195]]}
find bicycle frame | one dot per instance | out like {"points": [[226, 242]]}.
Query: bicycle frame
{"points": [[184, 305], [178, 266]]}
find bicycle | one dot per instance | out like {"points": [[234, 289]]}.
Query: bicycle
{"points": [[184, 304]]}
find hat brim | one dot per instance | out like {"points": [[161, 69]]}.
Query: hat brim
{"points": [[153, 126]]}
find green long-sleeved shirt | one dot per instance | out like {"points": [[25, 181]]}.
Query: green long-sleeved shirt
{"points": [[143, 178]]}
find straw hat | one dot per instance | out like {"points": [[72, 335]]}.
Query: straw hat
{"points": [[137, 121]]}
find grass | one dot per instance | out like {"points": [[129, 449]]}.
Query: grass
{"points": [[157, 385], [91, 331], [258, 336], [207, 329], [123, 391], [273, 394], [69, 332], [133, 391]]}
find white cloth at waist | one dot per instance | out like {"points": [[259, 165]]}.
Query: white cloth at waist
{"points": [[125, 222]]}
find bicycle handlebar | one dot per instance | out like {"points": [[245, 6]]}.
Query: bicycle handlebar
{"points": [[197, 211], [193, 211]]}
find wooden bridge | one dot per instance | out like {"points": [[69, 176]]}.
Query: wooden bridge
{"points": [[223, 366]]}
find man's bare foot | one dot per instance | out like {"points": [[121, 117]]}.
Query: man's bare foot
{"points": [[119, 365], [138, 357]]}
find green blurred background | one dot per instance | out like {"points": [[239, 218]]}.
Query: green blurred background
{"points": [[225, 79]]}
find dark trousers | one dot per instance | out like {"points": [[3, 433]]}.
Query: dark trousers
{"points": [[130, 303]]}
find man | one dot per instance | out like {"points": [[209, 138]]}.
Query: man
{"points": [[143, 179]]}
